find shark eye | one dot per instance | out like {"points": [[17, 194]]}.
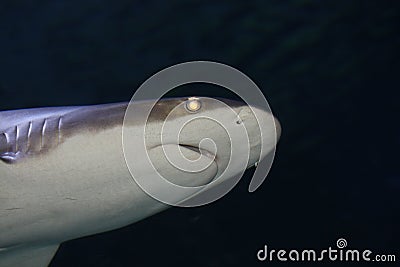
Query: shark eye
{"points": [[193, 104]]}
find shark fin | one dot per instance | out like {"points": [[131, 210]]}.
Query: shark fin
{"points": [[23, 256]]}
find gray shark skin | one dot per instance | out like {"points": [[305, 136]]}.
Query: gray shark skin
{"points": [[63, 174]]}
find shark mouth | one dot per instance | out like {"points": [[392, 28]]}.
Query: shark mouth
{"points": [[200, 151]]}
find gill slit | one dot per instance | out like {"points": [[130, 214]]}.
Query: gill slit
{"points": [[59, 129], [42, 134], [28, 145], [8, 141], [16, 138]]}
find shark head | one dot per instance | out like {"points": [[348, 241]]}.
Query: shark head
{"points": [[195, 141]]}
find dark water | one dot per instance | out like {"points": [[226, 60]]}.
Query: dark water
{"points": [[330, 70]]}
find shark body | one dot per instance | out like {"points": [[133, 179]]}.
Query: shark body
{"points": [[63, 173]]}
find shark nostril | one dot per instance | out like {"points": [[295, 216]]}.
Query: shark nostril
{"points": [[242, 115]]}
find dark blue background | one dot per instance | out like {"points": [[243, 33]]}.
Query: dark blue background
{"points": [[330, 70]]}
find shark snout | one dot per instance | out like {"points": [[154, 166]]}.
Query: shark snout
{"points": [[263, 131]]}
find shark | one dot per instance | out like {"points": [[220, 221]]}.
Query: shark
{"points": [[63, 174]]}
